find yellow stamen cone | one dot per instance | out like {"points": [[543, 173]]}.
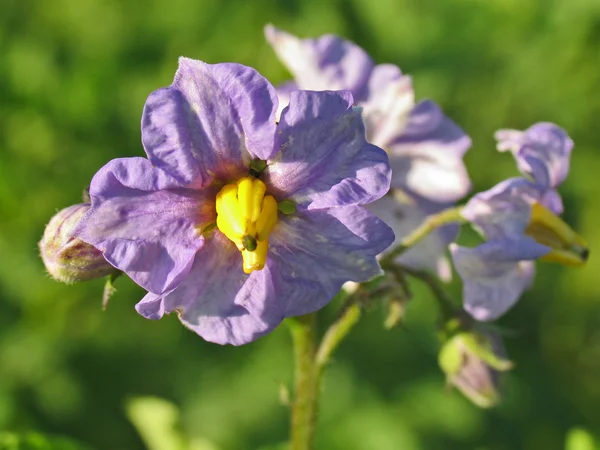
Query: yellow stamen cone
{"points": [[267, 219], [247, 217], [257, 259], [250, 194], [229, 221], [548, 229]]}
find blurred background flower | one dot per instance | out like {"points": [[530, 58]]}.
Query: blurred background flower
{"points": [[74, 76]]}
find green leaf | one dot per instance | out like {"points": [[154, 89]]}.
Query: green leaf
{"points": [[155, 420], [38, 441], [579, 439]]}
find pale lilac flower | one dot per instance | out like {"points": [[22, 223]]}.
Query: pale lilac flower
{"points": [[196, 224], [424, 146], [518, 218]]}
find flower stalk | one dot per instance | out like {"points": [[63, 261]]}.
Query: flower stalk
{"points": [[447, 306], [430, 224], [311, 359], [338, 330], [307, 382]]}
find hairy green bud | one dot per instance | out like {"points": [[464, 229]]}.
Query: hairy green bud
{"points": [[69, 259], [472, 361]]}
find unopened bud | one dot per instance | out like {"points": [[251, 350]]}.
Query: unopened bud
{"points": [[69, 259], [472, 362]]}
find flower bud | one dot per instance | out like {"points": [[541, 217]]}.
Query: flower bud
{"points": [[472, 362], [69, 259]]}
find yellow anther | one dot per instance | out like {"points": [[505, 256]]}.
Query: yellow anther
{"points": [[550, 230], [255, 260], [267, 218], [250, 194], [247, 217], [228, 217]]}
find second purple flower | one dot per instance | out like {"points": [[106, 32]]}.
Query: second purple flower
{"points": [[425, 147]]}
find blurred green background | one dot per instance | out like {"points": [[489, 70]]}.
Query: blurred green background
{"points": [[74, 75]]}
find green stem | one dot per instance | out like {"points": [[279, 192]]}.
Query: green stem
{"points": [[431, 223], [307, 382], [336, 333], [310, 360], [447, 305], [310, 363]]}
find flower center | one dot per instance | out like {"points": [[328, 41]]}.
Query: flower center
{"points": [[246, 216], [550, 230]]}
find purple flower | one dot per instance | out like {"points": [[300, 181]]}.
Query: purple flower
{"points": [[424, 146], [518, 217], [197, 223]]}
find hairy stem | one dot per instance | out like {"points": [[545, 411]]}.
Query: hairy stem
{"points": [[311, 359], [447, 305], [431, 223], [336, 333], [307, 382]]}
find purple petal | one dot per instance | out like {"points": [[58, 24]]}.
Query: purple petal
{"points": [[209, 122], [326, 63], [553, 201], [404, 215], [218, 300], [314, 252], [151, 306], [284, 92], [504, 210], [495, 274], [325, 160], [148, 232], [543, 152], [426, 158], [388, 105]]}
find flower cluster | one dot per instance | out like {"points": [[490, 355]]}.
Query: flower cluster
{"points": [[256, 203], [518, 217]]}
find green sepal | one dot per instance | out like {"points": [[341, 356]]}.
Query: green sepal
{"points": [[286, 207], [396, 310], [450, 357], [257, 166], [486, 398], [109, 288], [482, 348]]}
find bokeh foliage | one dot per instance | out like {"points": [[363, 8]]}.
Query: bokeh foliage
{"points": [[74, 75]]}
